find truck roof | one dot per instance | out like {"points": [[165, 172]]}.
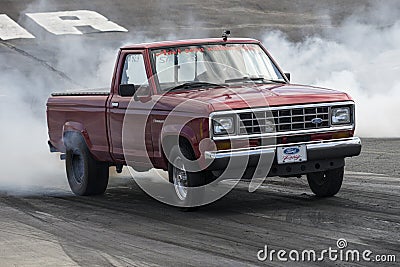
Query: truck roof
{"points": [[189, 42]]}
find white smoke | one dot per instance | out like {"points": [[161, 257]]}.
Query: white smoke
{"points": [[26, 165], [27, 79], [25, 84], [29, 74], [361, 58]]}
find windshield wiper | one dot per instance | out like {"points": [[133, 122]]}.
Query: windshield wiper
{"points": [[190, 85], [254, 79], [276, 81]]}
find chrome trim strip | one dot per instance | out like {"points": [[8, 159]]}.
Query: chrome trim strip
{"points": [[348, 141], [344, 103], [290, 133], [332, 128], [244, 153], [272, 148]]}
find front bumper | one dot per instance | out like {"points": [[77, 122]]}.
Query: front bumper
{"points": [[322, 154]]}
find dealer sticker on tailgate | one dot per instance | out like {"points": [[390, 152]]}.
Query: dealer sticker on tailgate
{"points": [[292, 154]]}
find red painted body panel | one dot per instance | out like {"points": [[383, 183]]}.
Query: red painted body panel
{"points": [[260, 95], [156, 45], [85, 114], [101, 124]]}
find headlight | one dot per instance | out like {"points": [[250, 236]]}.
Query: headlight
{"points": [[224, 125], [341, 115]]}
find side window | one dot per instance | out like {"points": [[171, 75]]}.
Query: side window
{"points": [[134, 71]]}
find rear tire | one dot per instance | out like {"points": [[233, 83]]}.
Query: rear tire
{"points": [[188, 186], [86, 176], [326, 184]]}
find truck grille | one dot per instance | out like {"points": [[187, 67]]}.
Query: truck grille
{"points": [[283, 120]]}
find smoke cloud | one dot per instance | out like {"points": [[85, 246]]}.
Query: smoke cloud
{"points": [[29, 74], [361, 57], [26, 165], [27, 78], [25, 84]]}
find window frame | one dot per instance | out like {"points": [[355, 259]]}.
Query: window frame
{"points": [[154, 69], [117, 77]]}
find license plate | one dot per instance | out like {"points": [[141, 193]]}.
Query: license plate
{"points": [[292, 154]]}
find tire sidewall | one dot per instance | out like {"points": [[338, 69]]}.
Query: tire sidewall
{"points": [[196, 180], [330, 186], [76, 187]]}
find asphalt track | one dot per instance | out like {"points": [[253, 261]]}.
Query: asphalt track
{"points": [[48, 226], [128, 228]]}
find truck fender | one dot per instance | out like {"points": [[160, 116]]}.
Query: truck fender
{"points": [[172, 133], [71, 130]]}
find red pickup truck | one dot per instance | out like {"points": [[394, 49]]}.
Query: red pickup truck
{"points": [[203, 110]]}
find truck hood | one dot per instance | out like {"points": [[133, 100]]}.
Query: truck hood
{"points": [[239, 97]]}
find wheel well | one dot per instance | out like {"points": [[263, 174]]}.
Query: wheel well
{"points": [[169, 142], [71, 139]]}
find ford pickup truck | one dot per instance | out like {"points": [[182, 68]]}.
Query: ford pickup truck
{"points": [[190, 108]]}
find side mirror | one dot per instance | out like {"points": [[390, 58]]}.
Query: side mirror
{"points": [[287, 76], [127, 90]]}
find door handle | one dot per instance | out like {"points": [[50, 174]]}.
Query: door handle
{"points": [[114, 104]]}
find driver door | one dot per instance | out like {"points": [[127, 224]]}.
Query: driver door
{"points": [[129, 116]]}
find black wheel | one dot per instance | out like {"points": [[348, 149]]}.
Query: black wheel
{"points": [[86, 176], [187, 191], [326, 184]]}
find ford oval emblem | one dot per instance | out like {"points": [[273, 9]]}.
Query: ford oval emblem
{"points": [[291, 151], [316, 121]]}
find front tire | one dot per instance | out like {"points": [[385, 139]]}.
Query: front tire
{"points": [[326, 184], [86, 176], [188, 186]]}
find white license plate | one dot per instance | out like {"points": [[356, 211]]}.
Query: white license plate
{"points": [[292, 154]]}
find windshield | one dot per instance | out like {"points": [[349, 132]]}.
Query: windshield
{"points": [[216, 64]]}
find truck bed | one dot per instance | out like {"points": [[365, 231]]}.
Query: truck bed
{"points": [[82, 111]]}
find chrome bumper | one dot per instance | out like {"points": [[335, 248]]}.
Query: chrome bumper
{"points": [[316, 150]]}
